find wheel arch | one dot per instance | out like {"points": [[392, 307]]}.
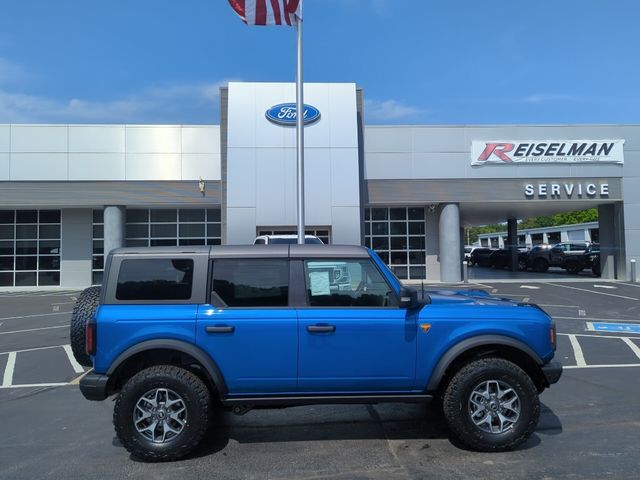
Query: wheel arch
{"points": [[482, 346], [166, 351]]}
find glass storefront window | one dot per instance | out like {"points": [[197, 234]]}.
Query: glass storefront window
{"points": [[397, 234], [29, 248]]}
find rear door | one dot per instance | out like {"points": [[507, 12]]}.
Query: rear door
{"points": [[248, 327], [353, 336]]}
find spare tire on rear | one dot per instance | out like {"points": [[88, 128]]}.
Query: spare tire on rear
{"points": [[84, 309]]}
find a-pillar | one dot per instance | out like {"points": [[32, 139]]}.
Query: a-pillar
{"points": [[449, 229], [512, 242], [114, 227]]}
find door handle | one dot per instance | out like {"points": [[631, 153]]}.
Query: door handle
{"points": [[321, 328], [220, 329]]}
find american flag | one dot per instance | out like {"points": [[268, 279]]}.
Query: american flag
{"points": [[268, 12]]}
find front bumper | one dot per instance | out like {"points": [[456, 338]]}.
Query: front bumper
{"points": [[94, 386], [552, 372]]}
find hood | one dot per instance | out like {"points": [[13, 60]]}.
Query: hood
{"points": [[461, 297]]}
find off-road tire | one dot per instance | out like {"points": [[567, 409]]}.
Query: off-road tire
{"points": [[540, 265], [84, 310], [197, 399], [456, 401]]}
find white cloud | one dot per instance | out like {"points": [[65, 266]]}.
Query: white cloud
{"points": [[177, 103], [10, 73], [389, 110], [549, 97]]}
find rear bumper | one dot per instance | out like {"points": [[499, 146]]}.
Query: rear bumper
{"points": [[552, 372], [94, 386]]}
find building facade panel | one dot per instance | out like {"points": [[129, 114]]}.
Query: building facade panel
{"points": [[97, 138], [39, 138], [5, 163], [96, 166], [200, 139], [39, 166], [153, 139], [5, 138]]}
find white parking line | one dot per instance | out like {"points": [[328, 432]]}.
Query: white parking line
{"points": [[591, 291], [559, 306], [35, 385], [630, 284], [37, 348], [592, 335], [76, 366], [34, 329], [35, 315], [7, 379], [624, 320], [634, 348], [577, 351], [574, 367]]}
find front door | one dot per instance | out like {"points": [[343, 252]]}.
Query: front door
{"points": [[352, 335], [249, 330]]}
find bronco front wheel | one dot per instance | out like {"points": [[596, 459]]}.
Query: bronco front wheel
{"points": [[491, 404], [162, 413]]}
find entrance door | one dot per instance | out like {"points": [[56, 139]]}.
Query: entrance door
{"points": [[353, 336]]}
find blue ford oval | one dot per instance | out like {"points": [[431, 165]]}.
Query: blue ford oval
{"points": [[285, 114]]}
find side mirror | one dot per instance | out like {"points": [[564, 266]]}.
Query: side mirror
{"points": [[408, 298]]}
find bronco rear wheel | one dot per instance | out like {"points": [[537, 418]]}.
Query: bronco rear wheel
{"points": [[162, 413], [491, 405], [84, 310]]}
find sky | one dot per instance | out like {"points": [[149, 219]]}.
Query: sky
{"points": [[418, 61]]}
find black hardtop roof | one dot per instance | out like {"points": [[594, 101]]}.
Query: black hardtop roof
{"points": [[253, 251]]}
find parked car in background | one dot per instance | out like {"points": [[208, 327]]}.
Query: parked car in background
{"points": [[592, 258], [286, 240], [567, 255], [502, 258], [480, 256], [468, 250]]}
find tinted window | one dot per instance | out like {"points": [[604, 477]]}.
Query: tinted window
{"points": [[251, 283], [343, 283], [259, 241], [155, 279]]}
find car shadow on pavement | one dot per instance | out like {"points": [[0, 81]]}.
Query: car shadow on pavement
{"points": [[345, 422]]}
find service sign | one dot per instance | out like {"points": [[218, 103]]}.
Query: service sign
{"points": [[546, 151], [285, 114]]}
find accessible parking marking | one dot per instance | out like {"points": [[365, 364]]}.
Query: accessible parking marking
{"points": [[613, 327]]}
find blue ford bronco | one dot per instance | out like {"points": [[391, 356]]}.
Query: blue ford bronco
{"points": [[176, 332]]}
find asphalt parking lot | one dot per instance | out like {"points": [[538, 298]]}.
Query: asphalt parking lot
{"points": [[588, 429]]}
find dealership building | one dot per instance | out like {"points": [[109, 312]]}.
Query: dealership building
{"points": [[69, 193]]}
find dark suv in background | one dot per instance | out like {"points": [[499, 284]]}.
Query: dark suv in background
{"points": [[566, 255]]}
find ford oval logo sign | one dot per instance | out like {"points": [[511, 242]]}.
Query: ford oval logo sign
{"points": [[285, 114]]}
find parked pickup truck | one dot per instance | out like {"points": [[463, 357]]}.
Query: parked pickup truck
{"points": [[566, 255], [175, 332]]}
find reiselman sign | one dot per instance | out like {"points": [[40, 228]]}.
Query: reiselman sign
{"points": [[547, 151]]}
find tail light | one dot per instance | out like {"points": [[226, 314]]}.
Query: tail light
{"points": [[90, 337], [552, 336]]}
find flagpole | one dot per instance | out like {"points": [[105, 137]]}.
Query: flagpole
{"points": [[300, 131]]}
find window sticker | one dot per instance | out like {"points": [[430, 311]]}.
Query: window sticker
{"points": [[320, 284]]}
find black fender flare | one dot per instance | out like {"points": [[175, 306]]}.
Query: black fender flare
{"points": [[473, 342], [200, 355]]}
